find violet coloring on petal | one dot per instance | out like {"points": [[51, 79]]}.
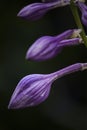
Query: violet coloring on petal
{"points": [[83, 8], [48, 47], [34, 89], [37, 10]]}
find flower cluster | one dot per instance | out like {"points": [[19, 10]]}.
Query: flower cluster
{"points": [[35, 88]]}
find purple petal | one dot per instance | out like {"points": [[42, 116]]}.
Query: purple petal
{"points": [[48, 47], [33, 11], [84, 20], [69, 42], [68, 70], [83, 9], [34, 89], [30, 91], [44, 48], [37, 10]]}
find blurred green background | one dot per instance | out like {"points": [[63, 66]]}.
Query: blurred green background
{"points": [[66, 106]]}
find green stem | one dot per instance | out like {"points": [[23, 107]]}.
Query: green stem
{"points": [[78, 21]]}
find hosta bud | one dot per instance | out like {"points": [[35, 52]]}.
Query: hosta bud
{"points": [[34, 89], [37, 10], [48, 47]]}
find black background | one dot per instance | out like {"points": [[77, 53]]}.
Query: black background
{"points": [[66, 106]]}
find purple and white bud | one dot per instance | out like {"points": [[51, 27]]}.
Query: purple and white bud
{"points": [[37, 10], [34, 89], [48, 47]]}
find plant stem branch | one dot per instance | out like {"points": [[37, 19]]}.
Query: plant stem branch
{"points": [[78, 21]]}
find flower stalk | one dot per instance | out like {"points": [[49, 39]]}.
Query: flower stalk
{"points": [[35, 88], [78, 21]]}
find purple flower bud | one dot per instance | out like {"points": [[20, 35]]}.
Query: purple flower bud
{"points": [[48, 47], [31, 90], [34, 89], [37, 10], [83, 8]]}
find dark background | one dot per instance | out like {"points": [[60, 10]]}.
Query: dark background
{"points": [[66, 106]]}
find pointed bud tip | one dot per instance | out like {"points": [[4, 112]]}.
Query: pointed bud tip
{"points": [[27, 57], [20, 14], [10, 106]]}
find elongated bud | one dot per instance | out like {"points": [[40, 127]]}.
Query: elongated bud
{"points": [[34, 89], [37, 10], [48, 47]]}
